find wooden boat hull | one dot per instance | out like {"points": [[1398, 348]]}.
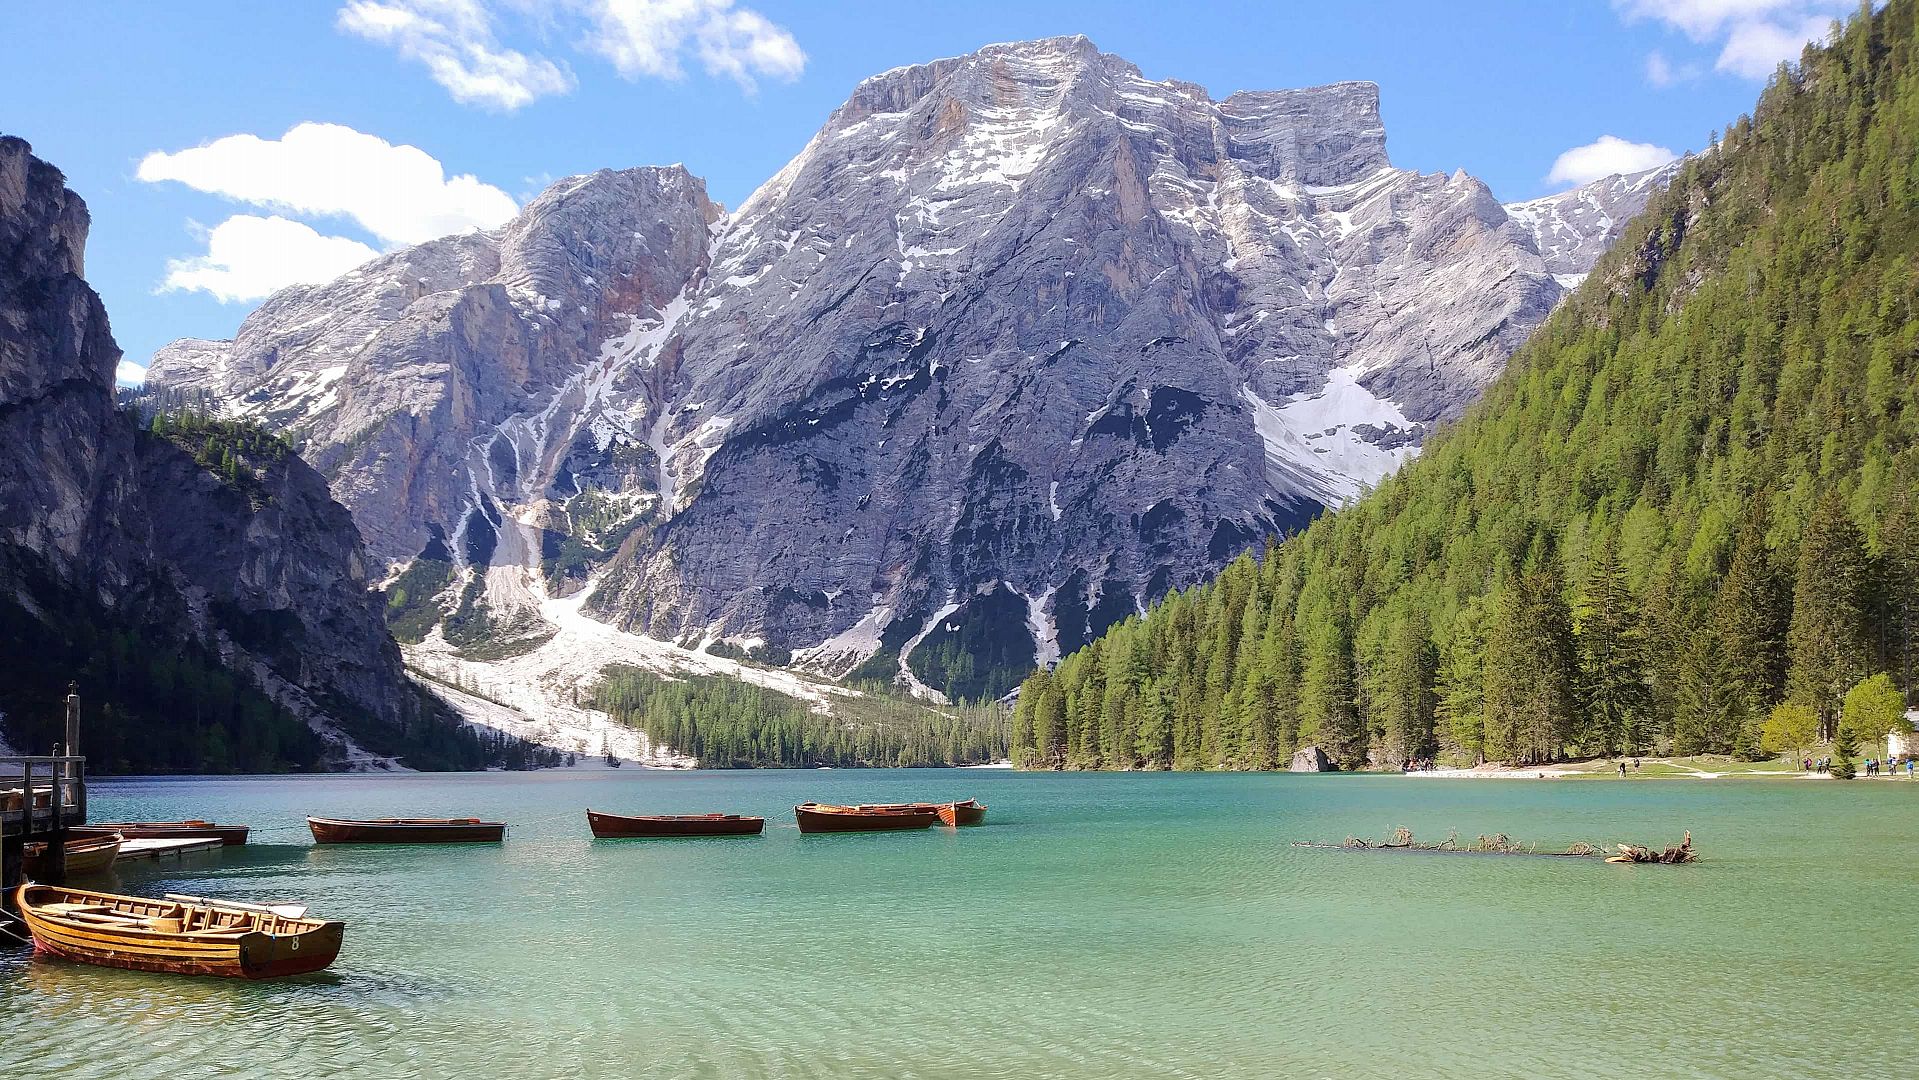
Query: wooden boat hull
{"points": [[291, 947], [228, 835], [90, 855], [962, 813], [406, 831], [821, 818], [658, 826]]}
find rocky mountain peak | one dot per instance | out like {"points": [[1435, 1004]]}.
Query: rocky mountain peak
{"points": [[1017, 342]]}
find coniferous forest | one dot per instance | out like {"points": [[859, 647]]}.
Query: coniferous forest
{"points": [[731, 724], [1685, 520]]}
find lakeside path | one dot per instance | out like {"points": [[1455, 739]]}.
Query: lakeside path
{"points": [[1650, 769]]}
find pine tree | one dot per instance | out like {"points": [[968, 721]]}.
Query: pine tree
{"points": [[1611, 691], [1408, 707], [1748, 620], [1845, 750], [1828, 643], [1329, 695]]}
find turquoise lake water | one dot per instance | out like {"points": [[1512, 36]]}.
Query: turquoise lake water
{"points": [[1099, 925]]}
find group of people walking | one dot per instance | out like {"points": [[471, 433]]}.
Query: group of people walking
{"points": [[1872, 767]]}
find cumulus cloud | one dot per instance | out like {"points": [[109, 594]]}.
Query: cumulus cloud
{"points": [[1752, 36], [250, 257], [1606, 156], [400, 194], [1753, 50], [459, 42], [130, 373], [455, 41], [647, 37], [1662, 72]]}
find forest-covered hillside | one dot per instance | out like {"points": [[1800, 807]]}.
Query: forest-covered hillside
{"points": [[1689, 501]]}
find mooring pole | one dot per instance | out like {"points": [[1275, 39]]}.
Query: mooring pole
{"points": [[73, 719]]}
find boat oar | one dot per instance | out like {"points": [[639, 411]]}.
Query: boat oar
{"points": [[284, 911]]}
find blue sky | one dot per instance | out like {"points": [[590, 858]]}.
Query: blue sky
{"points": [[501, 96]]}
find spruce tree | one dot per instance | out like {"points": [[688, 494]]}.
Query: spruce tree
{"points": [[1828, 644], [1612, 693]]}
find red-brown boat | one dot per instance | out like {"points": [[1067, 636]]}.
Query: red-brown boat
{"points": [[187, 936], [228, 835], [617, 826], [825, 817], [967, 812], [88, 855], [406, 831]]}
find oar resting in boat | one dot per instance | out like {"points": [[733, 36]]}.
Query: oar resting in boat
{"points": [[223, 938]]}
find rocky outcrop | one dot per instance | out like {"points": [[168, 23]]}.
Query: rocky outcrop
{"points": [[1574, 228], [124, 535], [1018, 342]]}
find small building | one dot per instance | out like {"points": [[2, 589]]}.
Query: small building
{"points": [[1903, 744], [1311, 759]]}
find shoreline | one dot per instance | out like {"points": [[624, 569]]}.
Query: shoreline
{"points": [[1663, 769]]}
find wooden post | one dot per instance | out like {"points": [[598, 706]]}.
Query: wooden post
{"points": [[73, 719]]}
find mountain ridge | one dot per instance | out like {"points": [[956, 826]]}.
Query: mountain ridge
{"points": [[813, 435]]}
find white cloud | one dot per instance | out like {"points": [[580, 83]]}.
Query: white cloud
{"points": [[250, 257], [455, 40], [1753, 36], [459, 42], [1662, 72], [1755, 49], [1604, 157], [400, 194], [1702, 20], [129, 373], [646, 37]]}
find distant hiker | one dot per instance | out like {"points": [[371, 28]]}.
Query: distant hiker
{"points": [[1635, 764], [1622, 770]]}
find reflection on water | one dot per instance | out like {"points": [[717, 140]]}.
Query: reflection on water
{"points": [[1098, 926]]}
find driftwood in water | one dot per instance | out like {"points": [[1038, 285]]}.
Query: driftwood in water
{"points": [[1679, 853], [1496, 844]]}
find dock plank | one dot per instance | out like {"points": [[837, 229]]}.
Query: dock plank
{"points": [[132, 850]]}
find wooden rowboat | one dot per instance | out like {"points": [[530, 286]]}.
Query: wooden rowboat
{"points": [[968, 812], [824, 817], [406, 831], [207, 937], [88, 855], [615, 826], [964, 812], [228, 835]]}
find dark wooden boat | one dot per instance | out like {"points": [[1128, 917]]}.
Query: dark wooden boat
{"points": [[406, 831], [825, 817], [968, 812], [615, 826], [204, 937], [228, 835], [87, 855], [964, 812]]}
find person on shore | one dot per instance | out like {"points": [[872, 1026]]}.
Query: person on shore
{"points": [[1622, 769]]}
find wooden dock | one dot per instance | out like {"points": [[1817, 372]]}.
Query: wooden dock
{"points": [[137, 850], [40, 799]]}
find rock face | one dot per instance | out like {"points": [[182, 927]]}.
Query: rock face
{"points": [[1573, 228], [125, 530], [1018, 342]]}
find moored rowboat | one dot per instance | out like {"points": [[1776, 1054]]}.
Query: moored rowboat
{"points": [[406, 831], [967, 812], [88, 855], [614, 826], [825, 817], [202, 938], [228, 835], [964, 812]]}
